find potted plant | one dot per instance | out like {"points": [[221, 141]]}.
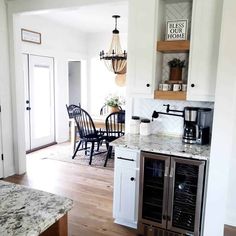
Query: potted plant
{"points": [[176, 66], [114, 102]]}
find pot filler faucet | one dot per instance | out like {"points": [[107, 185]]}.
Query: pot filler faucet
{"points": [[168, 112]]}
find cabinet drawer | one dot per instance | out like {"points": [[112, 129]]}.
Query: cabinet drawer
{"points": [[127, 157]]}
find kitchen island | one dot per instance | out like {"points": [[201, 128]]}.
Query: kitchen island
{"points": [[25, 211]]}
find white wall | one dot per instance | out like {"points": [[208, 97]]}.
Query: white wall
{"points": [[15, 7], [5, 96], [220, 206], [170, 125], [101, 81], [63, 44]]}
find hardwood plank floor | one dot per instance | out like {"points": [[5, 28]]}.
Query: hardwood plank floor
{"points": [[91, 189]]}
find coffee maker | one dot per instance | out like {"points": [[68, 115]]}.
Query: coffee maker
{"points": [[197, 125]]}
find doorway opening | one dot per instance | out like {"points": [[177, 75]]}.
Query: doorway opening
{"points": [[74, 77], [73, 38]]}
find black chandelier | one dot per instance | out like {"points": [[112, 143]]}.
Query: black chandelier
{"points": [[115, 58]]}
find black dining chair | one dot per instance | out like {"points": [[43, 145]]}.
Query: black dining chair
{"points": [[71, 113], [87, 132], [70, 110], [115, 128]]}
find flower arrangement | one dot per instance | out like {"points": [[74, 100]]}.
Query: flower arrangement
{"points": [[114, 101], [176, 63]]}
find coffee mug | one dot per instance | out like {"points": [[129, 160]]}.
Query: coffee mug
{"points": [[160, 87], [166, 87], [184, 87], [176, 87]]}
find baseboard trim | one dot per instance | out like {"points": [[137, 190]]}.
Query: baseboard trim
{"points": [[41, 147]]}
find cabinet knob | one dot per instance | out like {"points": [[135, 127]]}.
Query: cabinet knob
{"points": [[192, 85], [27, 101], [132, 178], [148, 85], [28, 108]]}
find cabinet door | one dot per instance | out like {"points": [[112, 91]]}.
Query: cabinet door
{"points": [[141, 47], [125, 194], [154, 187], [204, 49], [185, 195]]}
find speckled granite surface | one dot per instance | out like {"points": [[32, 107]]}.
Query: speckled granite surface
{"points": [[163, 144], [29, 212]]}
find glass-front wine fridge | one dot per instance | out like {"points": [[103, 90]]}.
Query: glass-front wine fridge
{"points": [[171, 194]]}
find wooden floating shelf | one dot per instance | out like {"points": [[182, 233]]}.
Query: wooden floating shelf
{"points": [[173, 46], [170, 95]]}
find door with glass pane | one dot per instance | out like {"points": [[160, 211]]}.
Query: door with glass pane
{"points": [[185, 195], [154, 189], [39, 103]]}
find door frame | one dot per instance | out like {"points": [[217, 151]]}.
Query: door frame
{"points": [[1, 147]]}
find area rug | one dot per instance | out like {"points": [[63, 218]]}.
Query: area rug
{"points": [[63, 152]]}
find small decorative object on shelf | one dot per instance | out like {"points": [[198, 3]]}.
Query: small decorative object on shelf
{"points": [[176, 66], [114, 102], [176, 30]]}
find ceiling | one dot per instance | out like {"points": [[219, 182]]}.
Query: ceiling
{"points": [[92, 19]]}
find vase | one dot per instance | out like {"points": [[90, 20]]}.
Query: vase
{"points": [[175, 73], [113, 109]]}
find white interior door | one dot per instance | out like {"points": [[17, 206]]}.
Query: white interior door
{"points": [[1, 151], [41, 101], [27, 99]]}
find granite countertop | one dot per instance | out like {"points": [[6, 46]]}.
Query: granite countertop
{"points": [[163, 144], [25, 211]]}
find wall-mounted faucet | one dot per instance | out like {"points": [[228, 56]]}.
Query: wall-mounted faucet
{"points": [[156, 114], [171, 110]]}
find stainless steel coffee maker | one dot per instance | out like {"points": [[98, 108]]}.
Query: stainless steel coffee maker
{"points": [[197, 125]]}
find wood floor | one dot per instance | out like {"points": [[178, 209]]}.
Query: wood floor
{"points": [[90, 188]]}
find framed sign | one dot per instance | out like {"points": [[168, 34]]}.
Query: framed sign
{"points": [[30, 36], [176, 30]]}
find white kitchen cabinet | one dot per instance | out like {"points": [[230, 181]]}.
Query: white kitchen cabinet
{"points": [[204, 48], [145, 66], [126, 187], [141, 48]]}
